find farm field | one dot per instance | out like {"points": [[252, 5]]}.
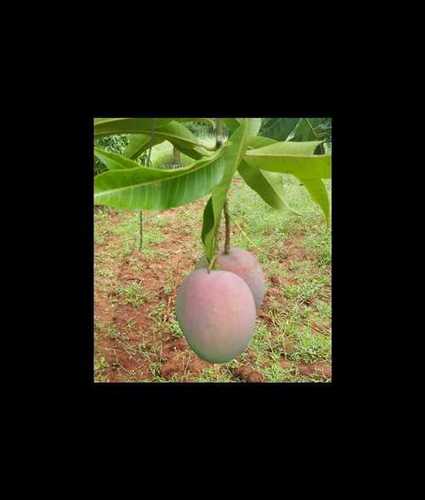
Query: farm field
{"points": [[137, 337]]}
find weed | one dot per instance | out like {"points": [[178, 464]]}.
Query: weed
{"points": [[155, 370], [112, 332], [133, 294], [157, 314], [105, 273], [100, 366], [215, 374], [275, 373], [310, 347], [175, 328], [304, 292]]}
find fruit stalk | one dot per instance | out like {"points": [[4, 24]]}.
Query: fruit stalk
{"points": [[211, 265], [227, 227]]}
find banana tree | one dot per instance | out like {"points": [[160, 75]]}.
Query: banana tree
{"points": [[260, 161]]}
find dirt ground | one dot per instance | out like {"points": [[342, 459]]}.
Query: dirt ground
{"points": [[137, 337]]}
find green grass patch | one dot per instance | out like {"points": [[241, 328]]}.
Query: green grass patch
{"points": [[133, 294], [310, 348]]}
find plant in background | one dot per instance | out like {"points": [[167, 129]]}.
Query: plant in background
{"points": [[114, 143], [285, 146], [298, 129], [201, 128]]}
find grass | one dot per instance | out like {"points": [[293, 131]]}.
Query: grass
{"points": [[133, 294], [215, 375], [100, 367], [309, 347], [294, 329], [165, 322]]}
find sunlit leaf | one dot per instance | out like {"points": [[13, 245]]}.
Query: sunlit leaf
{"points": [[116, 126], [259, 142], [254, 126], [302, 167], [294, 158], [319, 194]]}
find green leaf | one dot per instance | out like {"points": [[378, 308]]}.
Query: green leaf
{"points": [[268, 185], [283, 147], [181, 137], [98, 121], [208, 225], [294, 158], [310, 129], [164, 129], [278, 128], [208, 121], [319, 194], [139, 187], [114, 161], [231, 123], [232, 157], [303, 131], [163, 155], [138, 143], [116, 126], [254, 126], [301, 163], [259, 142]]}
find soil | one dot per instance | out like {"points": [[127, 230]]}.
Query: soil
{"points": [[131, 353], [136, 344]]}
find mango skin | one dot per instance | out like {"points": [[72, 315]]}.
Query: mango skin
{"points": [[246, 266], [216, 312]]}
